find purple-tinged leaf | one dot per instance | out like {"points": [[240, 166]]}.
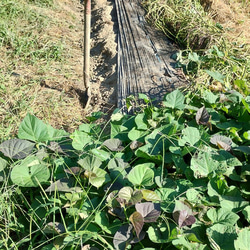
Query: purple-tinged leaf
{"points": [[117, 211], [183, 214], [54, 227], [123, 237], [135, 144], [74, 170], [113, 144], [137, 220], [63, 185], [17, 148], [127, 196], [150, 211], [183, 218], [136, 239], [202, 116], [221, 141]]}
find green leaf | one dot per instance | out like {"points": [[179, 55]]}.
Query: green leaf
{"points": [[119, 131], [30, 173], [191, 135], [98, 177], [117, 170], [137, 135], [89, 162], [216, 187], [16, 148], [33, 129], [221, 236], [174, 100], [243, 86], [216, 75], [56, 134], [129, 196], [80, 139], [246, 135], [113, 144], [222, 216], [193, 195], [210, 97], [246, 212], [232, 200], [125, 193], [141, 121], [150, 195], [141, 175], [194, 57], [101, 219], [243, 239], [158, 234], [182, 243], [101, 154], [3, 164], [205, 163]]}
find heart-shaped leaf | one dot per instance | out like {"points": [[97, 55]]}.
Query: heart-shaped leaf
{"points": [[31, 128], [150, 211], [141, 175], [80, 140], [137, 220], [122, 237], [113, 144], [202, 116], [183, 218], [63, 185], [16, 148], [125, 193], [98, 177], [30, 173], [127, 196], [191, 136], [221, 141], [174, 99], [183, 214], [90, 162]]}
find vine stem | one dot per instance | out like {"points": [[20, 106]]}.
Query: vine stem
{"points": [[87, 27]]}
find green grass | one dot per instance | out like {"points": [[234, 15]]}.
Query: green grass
{"points": [[31, 53], [203, 44], [21, 33]]}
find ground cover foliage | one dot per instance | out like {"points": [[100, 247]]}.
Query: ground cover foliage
{"points": [[173, 176]]}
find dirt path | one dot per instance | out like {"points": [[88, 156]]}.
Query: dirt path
{"points": [[103, 56]]}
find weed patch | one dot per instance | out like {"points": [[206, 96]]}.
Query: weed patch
{"points": [[208, 56]]}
